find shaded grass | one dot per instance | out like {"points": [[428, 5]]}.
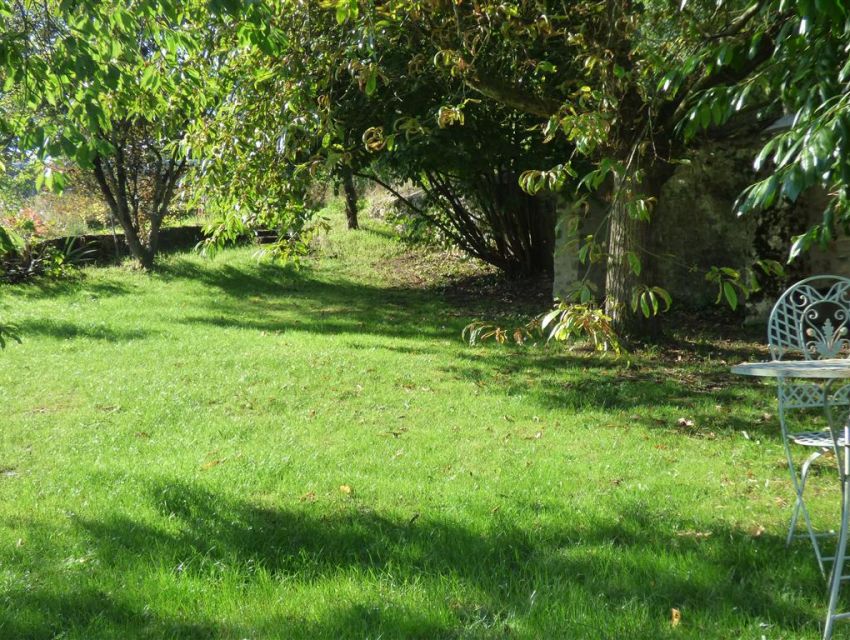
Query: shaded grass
{"points": [[233, 449]]}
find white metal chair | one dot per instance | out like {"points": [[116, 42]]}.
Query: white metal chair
{"points": [[810, 321]]}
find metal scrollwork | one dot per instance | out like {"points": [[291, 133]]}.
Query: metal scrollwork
{"points": [[812, 319], [825, 331]]}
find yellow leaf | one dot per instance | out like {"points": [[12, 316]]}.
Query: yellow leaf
{"points": [[675, 617], [346, 489]]}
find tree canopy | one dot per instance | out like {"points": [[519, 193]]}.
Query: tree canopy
{"points": [[468, 100]]}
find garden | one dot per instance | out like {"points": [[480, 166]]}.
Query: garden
{"points": [[412, 319]]}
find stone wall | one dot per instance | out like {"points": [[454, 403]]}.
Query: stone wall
{"points": [[108, 249], [695, 228]]}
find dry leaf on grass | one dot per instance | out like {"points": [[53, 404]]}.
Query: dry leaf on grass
{"points": [[698, 535], [347, 490], [675, 617]]}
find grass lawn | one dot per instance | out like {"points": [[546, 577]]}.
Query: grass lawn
{"points": [[234, 449]]}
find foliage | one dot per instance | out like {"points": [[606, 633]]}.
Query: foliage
{"points": [[734, 285], [255, 157], [110, 86], [803, 77], [24, 253], [570, 323], [627, 82], [267, 97], [372, 104]]}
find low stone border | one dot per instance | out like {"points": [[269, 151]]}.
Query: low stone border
{"points": [[108, 249]]}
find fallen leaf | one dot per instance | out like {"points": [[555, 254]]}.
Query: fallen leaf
{"points": [[346, 489], [757, 530], [142, 434], [310, 496], [685, 422], [212, 463], [675, 617]]}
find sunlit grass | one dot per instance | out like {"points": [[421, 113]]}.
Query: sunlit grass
{"points": [[233, 449]]}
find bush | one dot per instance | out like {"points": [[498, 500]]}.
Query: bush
{"points": [[25, 255]]}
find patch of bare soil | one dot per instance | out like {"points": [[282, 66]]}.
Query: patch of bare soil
{"points": [[478, 291], [475, 288]]}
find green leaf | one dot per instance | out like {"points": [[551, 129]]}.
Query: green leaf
{"points": [[731, 295], [664, 295], [634, 262], [644, 305]]}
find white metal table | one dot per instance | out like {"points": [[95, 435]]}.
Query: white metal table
{"points": [[829, 371]]}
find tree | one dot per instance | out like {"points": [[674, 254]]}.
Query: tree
{"points": [[112, 86], [629, 84], [370, 103], [350, 191]]}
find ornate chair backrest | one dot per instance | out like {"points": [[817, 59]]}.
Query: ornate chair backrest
{"points": [[811, 320]]}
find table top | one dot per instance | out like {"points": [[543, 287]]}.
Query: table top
{"points": [[822, 369]]}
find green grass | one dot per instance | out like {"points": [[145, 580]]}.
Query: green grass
{"points": [[176, 451]]}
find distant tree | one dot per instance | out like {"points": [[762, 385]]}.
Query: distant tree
{"points": [[622, 81], [112, 86], [372, 105]]}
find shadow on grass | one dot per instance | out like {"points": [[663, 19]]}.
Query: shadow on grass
{"points": [[270, 298], [64, 330], [623, 573], [70, 285], [267, 297]]}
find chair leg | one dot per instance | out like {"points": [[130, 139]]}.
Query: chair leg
{"points": [[798, 503], [799, 484], [838, 563]]}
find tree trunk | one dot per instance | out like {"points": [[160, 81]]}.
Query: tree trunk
{"points": [[131, 236], [350, 198], [627, 234]]}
